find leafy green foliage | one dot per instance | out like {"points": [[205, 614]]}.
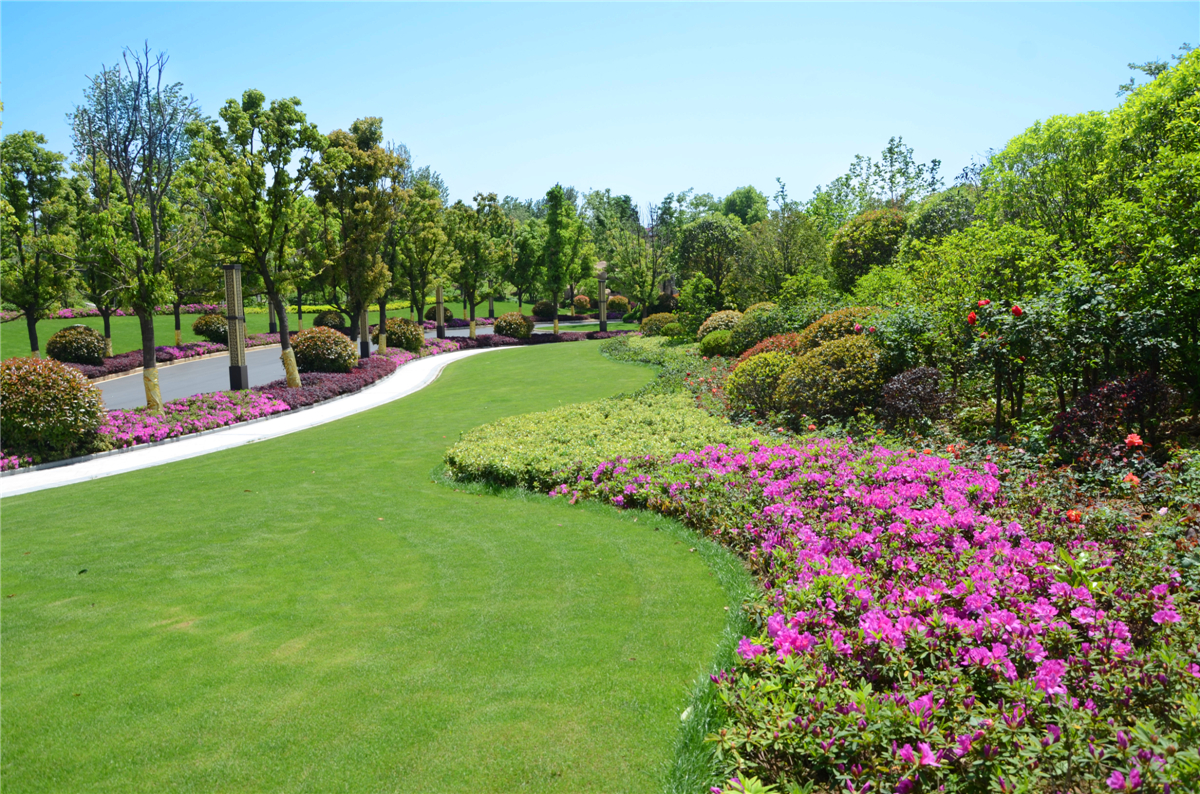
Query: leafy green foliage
{"points": [[835, 325], [697, 300], [803, 288], [836, 379], [329, 319], [674, 331], [545, 310], [867, 241], [759, 322], [753, 385], [709, 247], [324, 350], [77, 344], [782, 343], [618, 303], [513, 324], [50, 410], [715, 343], [654, 324], [214, 328], [746, 204], [539, 450]]}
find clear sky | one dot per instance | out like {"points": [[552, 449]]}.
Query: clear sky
{"points": [[645, 99]]}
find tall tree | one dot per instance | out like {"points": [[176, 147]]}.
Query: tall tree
{"points": [[785, 243], [131, 134], [356, 189], [422, 247], [36, 220], [566, 250], [482, 236], [525, 269], [747, 204], [710, 247], [251, 176]]}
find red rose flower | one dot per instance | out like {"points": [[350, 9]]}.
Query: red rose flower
{"points": [[971, 318], [1016, 310], [983, 302]]}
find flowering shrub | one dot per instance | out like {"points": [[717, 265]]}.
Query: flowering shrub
{"points": [[540, 450], [752, 386], [835, 325], [653, 325], [835, 379], [401, 333], [324, 350], [715, 343], [917, 632], [718, 321], [186, 308], [213, 327], [318, 386], [782, 343], [189, 415], [618, 304], [914, 395], [514, 324], [47, 409], [582, 303], [77, 344], [1095, 427], [329, 319], [10, 462]]}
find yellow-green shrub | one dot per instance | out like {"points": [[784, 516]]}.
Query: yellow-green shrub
{"points": [[513, 324], [402, 333], [324, 350], [213, 327], [836, 379], [751, 387], [77, 344], [715, 344], [718, 321], [653, 325], [834, 326]]}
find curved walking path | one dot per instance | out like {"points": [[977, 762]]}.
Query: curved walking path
{"points": [[407, 379]]}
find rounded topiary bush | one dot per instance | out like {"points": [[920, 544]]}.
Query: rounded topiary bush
{"points": [[781, 343], [431, 313], [545, 310], [402, 333], [761, 306], [213, 327], [329, 319], [835, 325], [715, 344], [618, 303], [583, 303], [513, 324], [77, 344], [836, 379], [673, 331], [655, 323], [865, 242], [47, 408], [719, 321], [751, 387], [759, 322], [324, 350]]}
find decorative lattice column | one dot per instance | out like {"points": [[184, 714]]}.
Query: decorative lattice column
{"points": [[603, 278], [235, 317], [441, 314]]}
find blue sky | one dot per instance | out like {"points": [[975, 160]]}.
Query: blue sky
{"points": [[645, 99]]}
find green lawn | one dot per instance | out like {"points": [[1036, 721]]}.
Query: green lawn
{"points": [[314, 613], [127, 335]]}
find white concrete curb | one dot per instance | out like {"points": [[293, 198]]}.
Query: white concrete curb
{"points": [[409, 378]]}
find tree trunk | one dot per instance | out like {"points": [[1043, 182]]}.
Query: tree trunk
{"points": [[178, 326], [149, 362], [383, 325], [364, 334], [554, 300], [354, 316], [272, 327], [299, 311], [31, 320], [287, 355], [472, 332], [106, 316]]}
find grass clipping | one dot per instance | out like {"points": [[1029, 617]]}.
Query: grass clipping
{"points": [[541, 450]]}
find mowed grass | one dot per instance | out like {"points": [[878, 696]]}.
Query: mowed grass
{"points": [[314, 613], [127, 334]]}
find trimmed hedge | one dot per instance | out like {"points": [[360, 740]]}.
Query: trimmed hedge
{"points": [[213, 327], [718, 321], [324, 350], [77, 344], [760, 321], [48, 409], [835, 325], [655, 323], [431, 313], [752, 386], [329, 319], [618, 303], [783, 343], [715, 344], [402, 333], [836, 379], [582, 303], [514, 325], [673, 331], [545, 310]]}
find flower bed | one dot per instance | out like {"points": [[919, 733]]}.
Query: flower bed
{"points": [[318, 386], [457, 322], [165, 353], [188, 415], [917, 631], [10, 462]]}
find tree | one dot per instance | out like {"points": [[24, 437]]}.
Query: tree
{"points": [[423, 250], [1151, 69], [566, 247], [710, 246], [746, 204], [526, 268], [131, 134], [35, 227], [94, 264], [482, 238], [868, 241], [357, 186], [251, 177], [785, 243]]}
